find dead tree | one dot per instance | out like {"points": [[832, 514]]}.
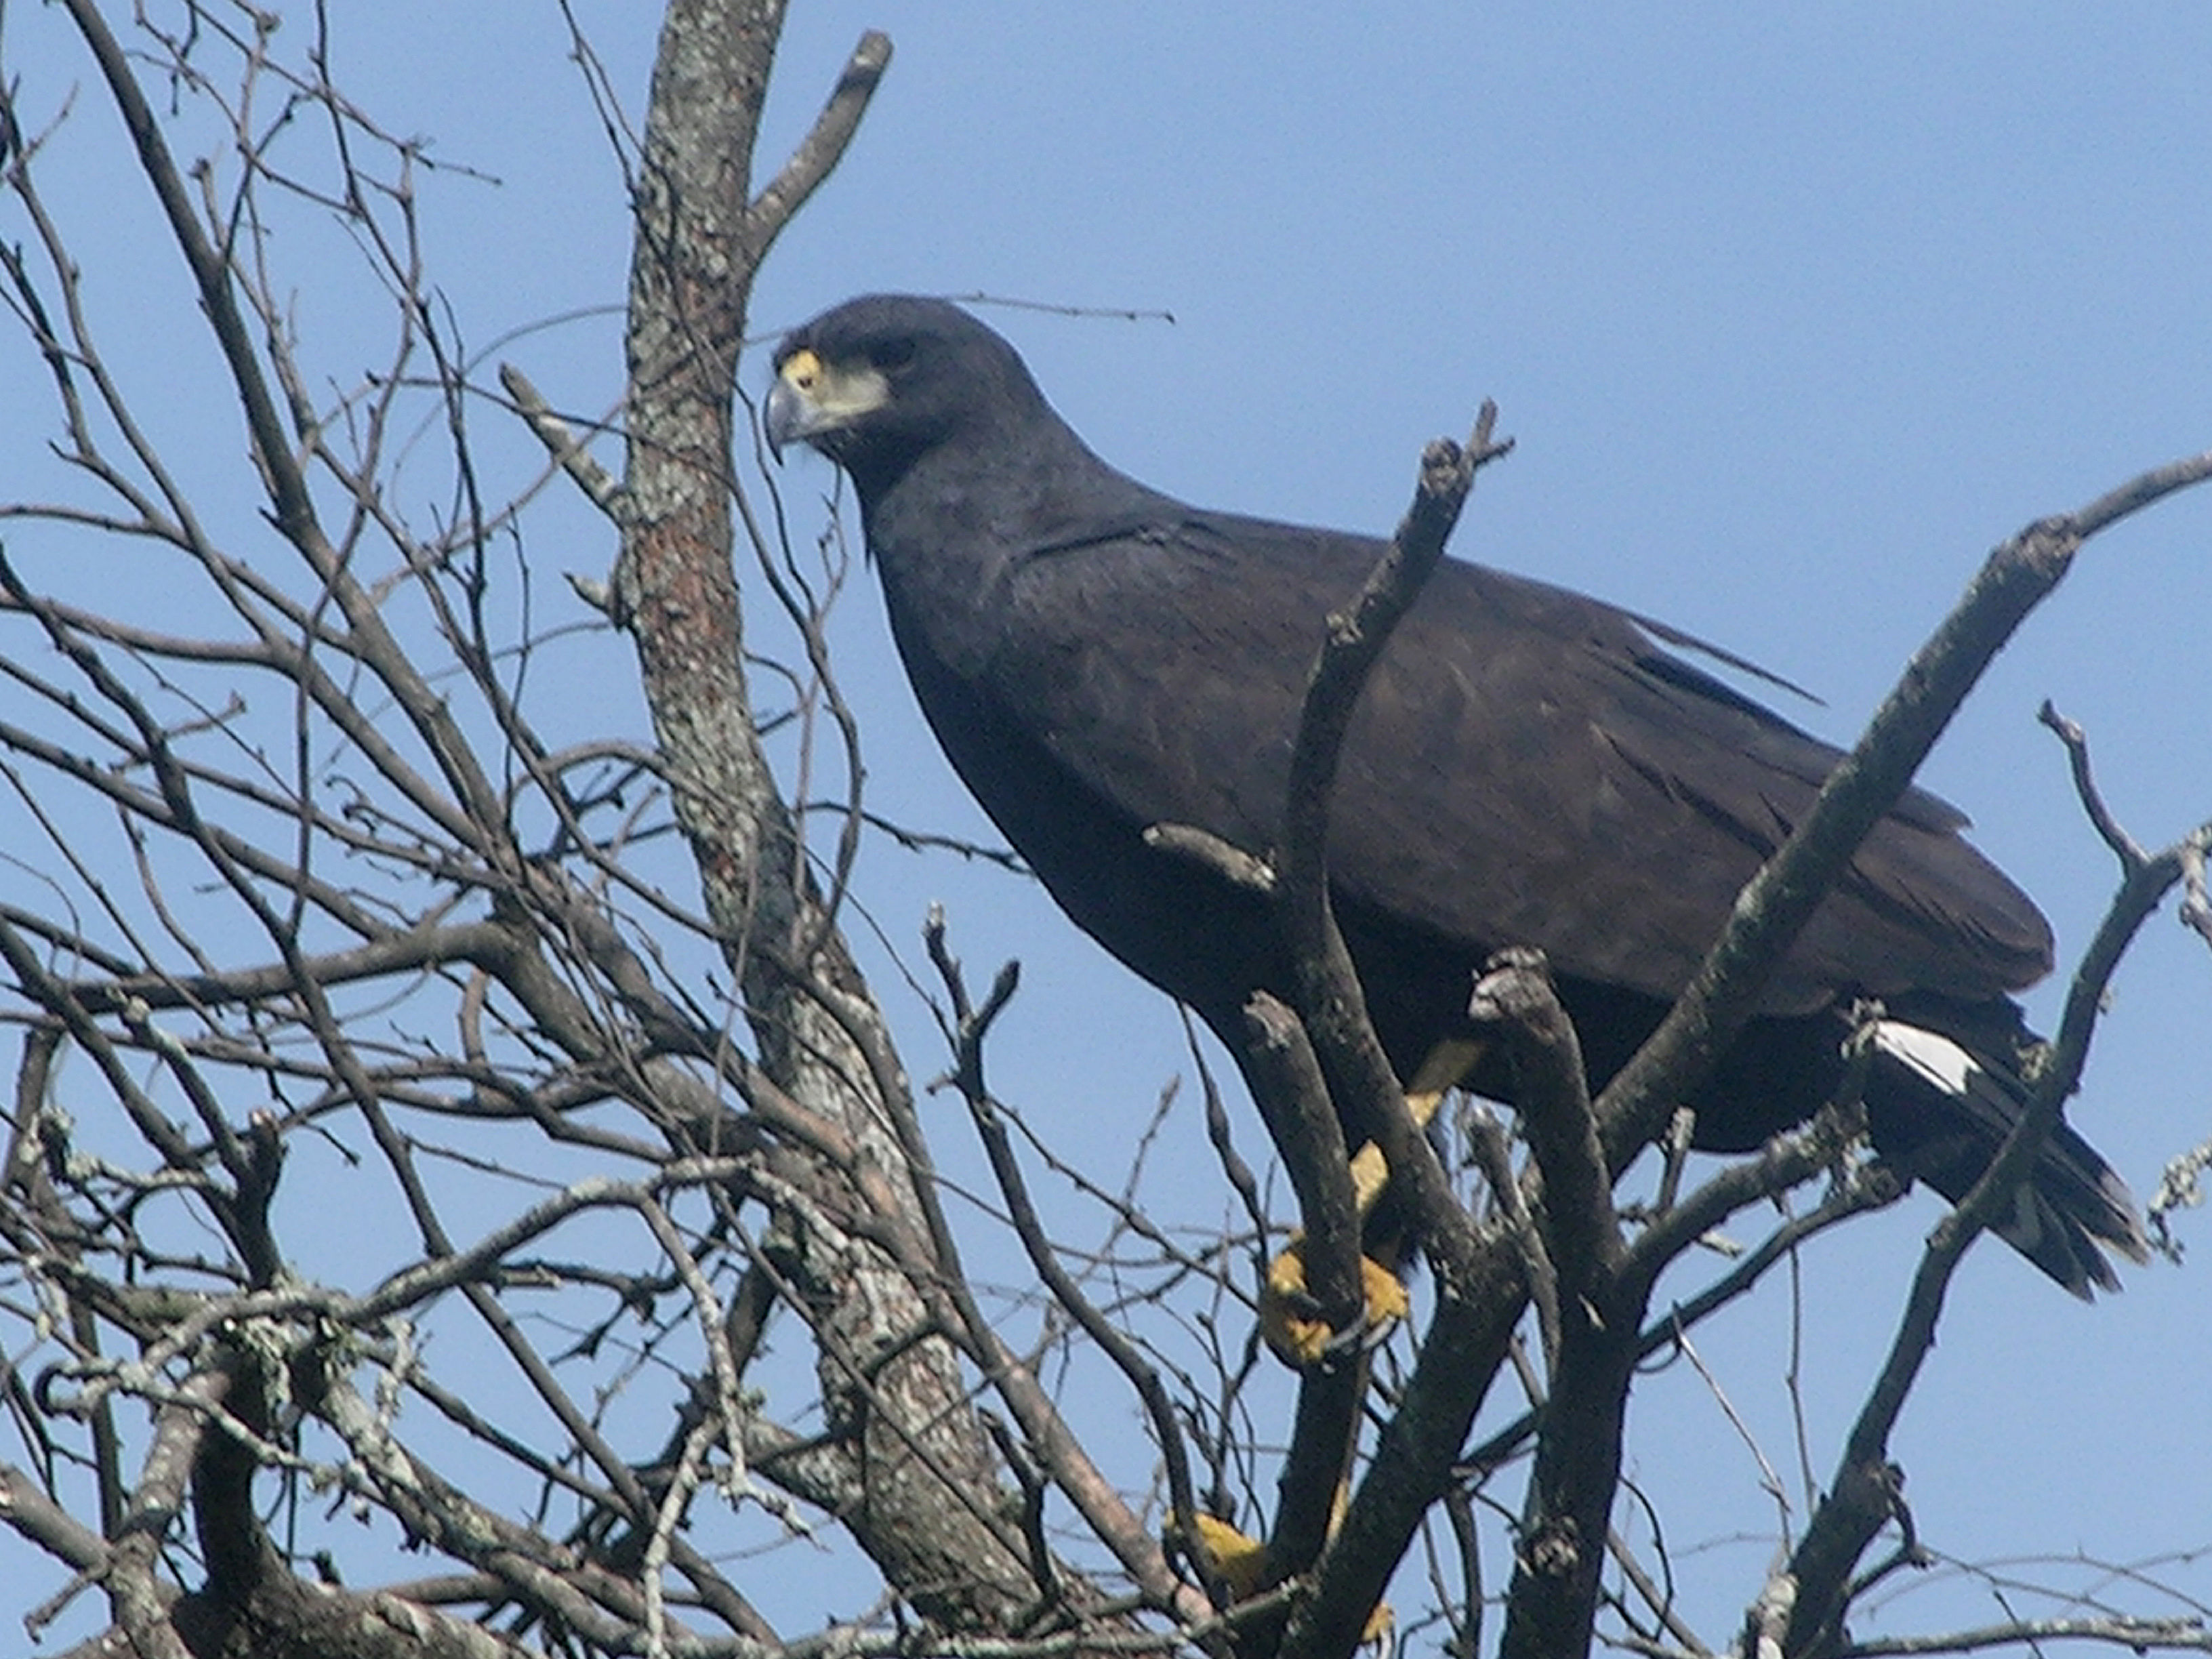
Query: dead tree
{"points": [[428, 1093]]}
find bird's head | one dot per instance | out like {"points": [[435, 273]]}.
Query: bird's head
{"points": [[879, 381]]}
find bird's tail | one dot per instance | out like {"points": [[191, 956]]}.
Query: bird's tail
{"points": [[1938, 1110]]}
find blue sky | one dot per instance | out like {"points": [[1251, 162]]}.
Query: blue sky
{"points": [[1792, 312]]}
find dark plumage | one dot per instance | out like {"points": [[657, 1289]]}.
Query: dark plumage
{"points": [[1527, 766]]}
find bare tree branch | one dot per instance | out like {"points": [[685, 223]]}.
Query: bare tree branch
{"points": [[445, 1121]]}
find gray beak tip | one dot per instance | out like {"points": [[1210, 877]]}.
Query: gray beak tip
{"points": [[780, 419]]}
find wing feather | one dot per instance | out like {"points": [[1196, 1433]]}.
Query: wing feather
{"points": [[1527, 765]]}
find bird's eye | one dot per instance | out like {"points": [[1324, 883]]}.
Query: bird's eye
{"points": [[891, 355]]}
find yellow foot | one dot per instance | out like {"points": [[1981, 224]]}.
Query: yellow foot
{"points": [[1222, 1552], [1292, 1325], [1239, 1563], [1288, 1318]]}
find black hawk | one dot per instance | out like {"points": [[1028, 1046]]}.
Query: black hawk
{"points": [[1526, 766]]}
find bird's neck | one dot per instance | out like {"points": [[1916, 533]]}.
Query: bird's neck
{"points": [[955, 526]]}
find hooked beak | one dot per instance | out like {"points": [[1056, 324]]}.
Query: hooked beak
{"points": [[812, 397], [785, 415]]}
